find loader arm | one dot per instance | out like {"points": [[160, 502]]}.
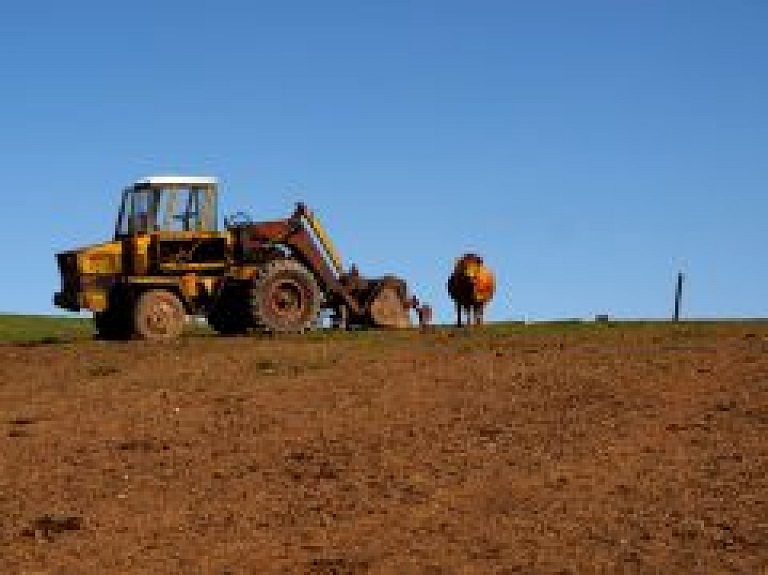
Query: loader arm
{"points": [[386, 302], [317, 228], [292, 233]]}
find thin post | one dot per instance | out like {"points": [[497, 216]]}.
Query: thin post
{"points": [[678, 295]]}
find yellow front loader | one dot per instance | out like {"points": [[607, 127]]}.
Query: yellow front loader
{"points": [[167, 260]]}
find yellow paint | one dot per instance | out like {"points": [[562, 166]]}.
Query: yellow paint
{"points": [[106, 259], [140, 254], [189, 285], [94, 299], [325, 241], [208, 284], [101, 259], [186, 266], [243, 272], [180, 235], [230, 237], [159, 280]]}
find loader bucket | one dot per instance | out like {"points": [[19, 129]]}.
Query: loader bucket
{"points": [[389, 305]]}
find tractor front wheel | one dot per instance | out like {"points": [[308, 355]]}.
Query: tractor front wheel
{"points": [[159, 315]]}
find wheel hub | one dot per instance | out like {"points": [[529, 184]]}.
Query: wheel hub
{"points": [[287, 301], [161, 317]]}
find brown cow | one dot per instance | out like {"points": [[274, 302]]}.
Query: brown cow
{"points": [[471, 286]]}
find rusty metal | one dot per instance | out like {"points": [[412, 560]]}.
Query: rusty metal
{"points": [[374, 302]]}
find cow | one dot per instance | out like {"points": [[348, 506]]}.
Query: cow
{"points": [[471, 286]]}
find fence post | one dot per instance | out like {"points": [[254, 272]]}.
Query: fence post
{"points": [[678, 295]]}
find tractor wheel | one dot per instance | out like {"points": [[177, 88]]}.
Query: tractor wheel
{"points": [[159, 315], [285, 297]]}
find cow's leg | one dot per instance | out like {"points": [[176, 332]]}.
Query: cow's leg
{"points": [[458, 314], [479, 315]]}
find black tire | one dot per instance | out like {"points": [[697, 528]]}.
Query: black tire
{"points": [[231, 314], [285, 297], [113, 324], [159, 315]]}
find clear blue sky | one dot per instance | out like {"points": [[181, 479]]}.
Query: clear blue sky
{"points": [[589, 150]]}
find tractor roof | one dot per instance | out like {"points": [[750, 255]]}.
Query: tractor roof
{"points": [[177, 180]]}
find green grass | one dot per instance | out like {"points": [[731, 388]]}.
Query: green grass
{"points": [[43, 329]]}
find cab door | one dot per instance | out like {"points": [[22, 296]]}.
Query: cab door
{"points": [[184, 238]]}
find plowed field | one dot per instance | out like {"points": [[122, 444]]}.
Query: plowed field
{"points": [[585, 449]]}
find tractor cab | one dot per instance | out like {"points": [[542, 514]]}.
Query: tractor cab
{"points": [[167, 226], [171, 204]]}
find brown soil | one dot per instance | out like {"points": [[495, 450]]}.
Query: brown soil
{"points": [[610, 450]]}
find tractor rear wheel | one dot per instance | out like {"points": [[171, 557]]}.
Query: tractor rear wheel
{"points": [[159, 315], [285, 297]]}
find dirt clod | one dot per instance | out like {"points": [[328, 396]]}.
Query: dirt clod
{"points": [[46, 526]]}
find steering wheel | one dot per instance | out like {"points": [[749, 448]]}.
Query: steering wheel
{"points": [[238, 219]]}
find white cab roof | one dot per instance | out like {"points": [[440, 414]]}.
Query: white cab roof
{"points": [[177, 180]]}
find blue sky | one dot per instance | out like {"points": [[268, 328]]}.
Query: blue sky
{"points": [[589, 150]]}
